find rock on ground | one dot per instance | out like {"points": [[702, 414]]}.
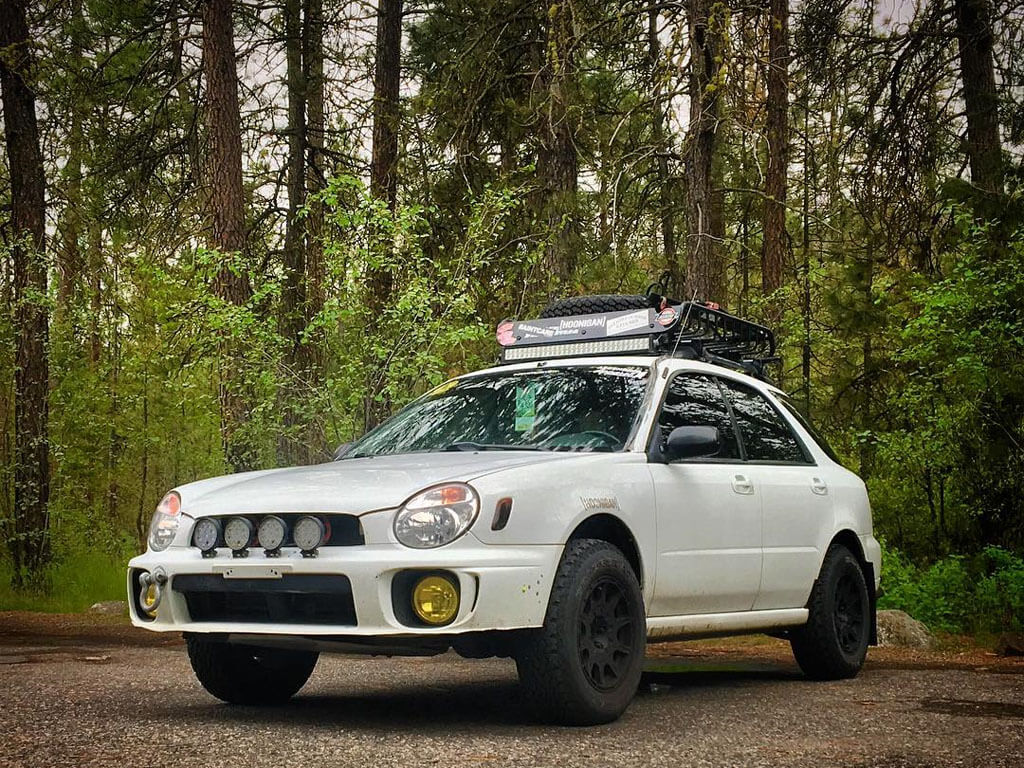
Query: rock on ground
{"points": [[901, 629], [110, 607]]}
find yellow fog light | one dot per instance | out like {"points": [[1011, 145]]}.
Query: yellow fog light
{"points": [[435, 599]]}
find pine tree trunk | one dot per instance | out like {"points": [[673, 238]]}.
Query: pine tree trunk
{"points": [[384, 162], [227, 209], [665, 186], [773, 253], [69, 264], [704, 274], [975, 39], [557, 161], [383, 176], [292, 448], [29, 540], [316, 172]]}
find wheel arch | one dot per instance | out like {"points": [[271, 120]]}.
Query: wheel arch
{"points": [[613, 530], [851, 541]]}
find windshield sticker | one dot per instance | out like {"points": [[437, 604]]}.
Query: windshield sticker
{"points": [[440, 389], [526, 407], [629, 322]]}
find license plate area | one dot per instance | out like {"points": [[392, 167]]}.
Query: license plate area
{"points": [[252, 571]]}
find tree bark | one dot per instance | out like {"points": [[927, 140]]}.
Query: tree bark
{"points": [[29, 541], [383, 175], [704, 271], [975, 40], [665, 187], [227, 210], [557, 161], [387, 72], [774, 244], [69, 257], [316, 173], [292, 448]]}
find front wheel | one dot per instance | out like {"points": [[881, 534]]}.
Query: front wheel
{"points": [[583, 666], [833, 643], [243, 674]]}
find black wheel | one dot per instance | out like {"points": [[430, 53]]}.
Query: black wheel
{"points": [[583, 666], [587, 305], [243, 674], [833, 643]]}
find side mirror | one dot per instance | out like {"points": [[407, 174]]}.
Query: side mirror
{"points": [[691, 443], [341, 450]]}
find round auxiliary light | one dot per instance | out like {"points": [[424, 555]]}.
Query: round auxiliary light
{"points": [[435, 599], [309, 533], [238, 533], [271, 533], [206, 534]]}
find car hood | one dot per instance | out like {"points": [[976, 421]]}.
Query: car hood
{"points": [[351, 486]]}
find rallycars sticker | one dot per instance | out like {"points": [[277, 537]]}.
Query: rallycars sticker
{"points": [[629, 322]]}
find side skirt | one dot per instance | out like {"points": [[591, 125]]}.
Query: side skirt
{"points": [[665, 628]]}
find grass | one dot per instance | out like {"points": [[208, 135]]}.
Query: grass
{"points": [[75, 584]]}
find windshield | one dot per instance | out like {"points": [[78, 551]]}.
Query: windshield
{"points": [[589, 408]]}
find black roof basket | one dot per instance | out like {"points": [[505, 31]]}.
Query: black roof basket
{"points": [[693, 330]]}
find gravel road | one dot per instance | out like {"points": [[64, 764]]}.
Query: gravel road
{"points": [[92, 692]]}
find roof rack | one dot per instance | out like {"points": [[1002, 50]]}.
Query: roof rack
{"points": [[694, 330]]}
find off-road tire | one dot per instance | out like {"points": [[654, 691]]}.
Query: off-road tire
{"points": [[833, 643], [581, 668], [242, 674], [588, 305]]}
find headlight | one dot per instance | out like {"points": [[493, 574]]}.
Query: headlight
{"points": [[165, 522], [436, 516]]}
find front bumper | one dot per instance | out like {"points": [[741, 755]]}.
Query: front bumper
{"points": [[501, 587]]}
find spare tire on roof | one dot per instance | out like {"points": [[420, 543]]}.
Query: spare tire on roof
{"points": [[589, 305]]}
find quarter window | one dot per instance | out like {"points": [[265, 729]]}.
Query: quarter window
{"points": [[696, 401], [766, 435]]}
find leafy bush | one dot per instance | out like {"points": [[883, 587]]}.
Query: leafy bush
{"points": [[979, 594]]}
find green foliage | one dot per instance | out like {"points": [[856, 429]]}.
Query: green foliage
{"points": [[953, 458], [983, 593], [75, 583]]}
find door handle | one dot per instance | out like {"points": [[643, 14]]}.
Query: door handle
{"points": [[819, 486], [742, 485]]}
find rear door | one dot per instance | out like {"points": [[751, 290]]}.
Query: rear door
{"points": [[795, 497], [708, 511]]}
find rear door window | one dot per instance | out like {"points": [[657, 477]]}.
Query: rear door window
{"points": [[765, 433]]}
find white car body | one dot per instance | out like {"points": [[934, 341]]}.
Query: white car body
{"points": [[721, 547]]}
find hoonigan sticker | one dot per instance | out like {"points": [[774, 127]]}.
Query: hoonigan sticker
{"points": [[602, 325]]}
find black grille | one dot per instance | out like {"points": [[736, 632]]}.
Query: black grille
{"points": [[291, 599]]}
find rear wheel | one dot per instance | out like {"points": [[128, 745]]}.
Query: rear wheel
{"points": [[834, 642], [243, 674], [583, 666]]}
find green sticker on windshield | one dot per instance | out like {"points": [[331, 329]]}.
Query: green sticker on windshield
{"points": [[526, 407]]}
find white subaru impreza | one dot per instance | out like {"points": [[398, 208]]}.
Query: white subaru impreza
{"points": [[620, 478]]}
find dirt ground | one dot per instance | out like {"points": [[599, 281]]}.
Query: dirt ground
{"points": [[85, 690]]}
